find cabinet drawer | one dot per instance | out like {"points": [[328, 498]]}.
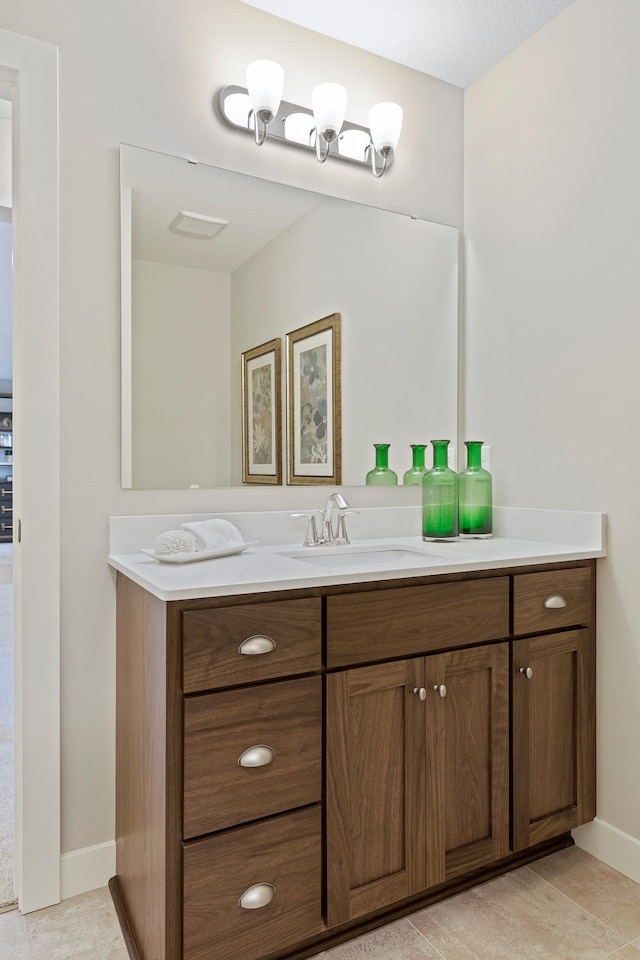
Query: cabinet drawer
{"points": [[285, 639], [283, 720], [551, 600], [365, 627], [284, 853]]}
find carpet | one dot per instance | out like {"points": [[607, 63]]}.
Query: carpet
{"points": [[6, 734]]}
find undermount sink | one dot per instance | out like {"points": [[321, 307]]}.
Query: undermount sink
{"points": [[386, 556]]}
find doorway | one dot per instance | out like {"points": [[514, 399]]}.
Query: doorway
{"points": [[7, 725], [30, 69]]}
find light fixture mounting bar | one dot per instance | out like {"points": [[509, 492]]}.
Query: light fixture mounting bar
{"points": [[244, 122]]}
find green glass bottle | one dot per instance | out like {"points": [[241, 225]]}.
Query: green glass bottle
{"points": [[474, 487], [413, 476], [382, 475], [440, 497]]}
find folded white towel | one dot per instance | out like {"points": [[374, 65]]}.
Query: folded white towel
{"points": [[175, 541], [214, 534]]}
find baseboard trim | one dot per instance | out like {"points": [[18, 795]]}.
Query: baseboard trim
{"points": [[87, 869], [614, 847]]}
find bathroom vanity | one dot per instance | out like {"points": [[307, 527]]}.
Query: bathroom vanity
{"points": [[318, 750]]}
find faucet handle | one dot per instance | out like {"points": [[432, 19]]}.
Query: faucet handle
{"points": [[341, 527], [311, 537]]}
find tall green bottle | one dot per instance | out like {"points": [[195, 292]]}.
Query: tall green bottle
{"points": [[440, 497], [382, 475], [475, 490], [413, 476]]}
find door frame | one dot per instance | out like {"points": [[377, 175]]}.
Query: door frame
{"points": [[31, 68]]}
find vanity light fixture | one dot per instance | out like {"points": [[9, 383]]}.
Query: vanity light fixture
{"points": [[259, 109]]}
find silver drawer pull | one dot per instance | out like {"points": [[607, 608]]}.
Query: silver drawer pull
{"points": [[440, 689], [259, 895], [420, 692], [253, 646], [555, 602], [526, 672], [258, 756]]}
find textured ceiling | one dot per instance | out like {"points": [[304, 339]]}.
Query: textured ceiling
{"points": [[454, 40], [163, 186]]}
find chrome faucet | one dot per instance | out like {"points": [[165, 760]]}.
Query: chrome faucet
{"points": [[328, 533]]}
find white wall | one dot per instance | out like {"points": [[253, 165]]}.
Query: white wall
{"points": [[181, 343], [552, 203], [145, 73]]}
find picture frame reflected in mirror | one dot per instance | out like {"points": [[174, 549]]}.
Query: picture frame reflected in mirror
{"points": [[262, 413], [314, 421]]}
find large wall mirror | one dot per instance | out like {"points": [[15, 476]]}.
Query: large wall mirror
{"points": [[281, 258]]}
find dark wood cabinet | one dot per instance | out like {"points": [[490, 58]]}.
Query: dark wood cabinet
{"points": [[366, 626], [375, 788], [219, 776], [417, 775], [294, 768], [553, 682], [251, 753], [467, 738], [231, 646], [282, 858]]}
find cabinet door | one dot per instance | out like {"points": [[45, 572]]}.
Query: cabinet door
{"points": [[375, 788], [553, 692], [467, 724]]}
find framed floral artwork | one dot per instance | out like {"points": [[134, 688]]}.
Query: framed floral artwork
{"points": [[314, 403], [262, 414]]}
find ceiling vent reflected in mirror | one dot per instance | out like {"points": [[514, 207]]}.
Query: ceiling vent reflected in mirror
{"points": [[197, 225]]}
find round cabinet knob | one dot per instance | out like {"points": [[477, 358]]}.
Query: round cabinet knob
{"points": [[555, 602], [257, 896], [253, 646], [257, 756], [441, 690], [527, 672], [420, 692]]}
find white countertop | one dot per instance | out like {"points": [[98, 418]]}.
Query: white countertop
{"points": [[287, 565]]}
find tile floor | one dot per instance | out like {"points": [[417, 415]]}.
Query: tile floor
{"points": [[568, 906]]}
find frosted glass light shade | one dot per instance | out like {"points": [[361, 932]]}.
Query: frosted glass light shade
{"points": [[265, 80], [299, 128], [354, 143], [329, 104], [385, 122], [237, 107]]}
